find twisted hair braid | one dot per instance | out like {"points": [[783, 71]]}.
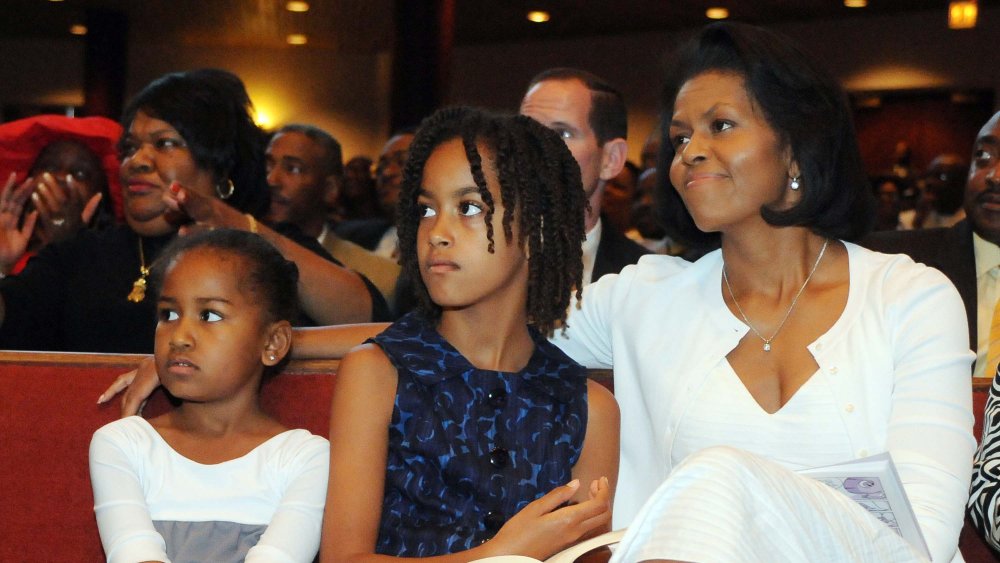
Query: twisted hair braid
{"points": [[539, 187]]}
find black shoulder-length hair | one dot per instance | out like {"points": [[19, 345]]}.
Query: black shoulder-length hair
{"points": [[539, 184], [806, 108], [212, 111]]}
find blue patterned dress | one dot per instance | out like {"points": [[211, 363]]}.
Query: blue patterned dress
{"points": [[469, 448]]}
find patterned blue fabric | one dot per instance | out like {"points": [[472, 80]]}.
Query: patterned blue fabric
{"points": [[469, 448]]}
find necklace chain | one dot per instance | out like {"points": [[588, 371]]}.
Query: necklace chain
{"points": [[788, 313], [138, 292]]}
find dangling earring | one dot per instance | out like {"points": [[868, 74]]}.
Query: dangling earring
{"points": [[228, 194], [795, 184]]}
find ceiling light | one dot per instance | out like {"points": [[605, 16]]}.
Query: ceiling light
{"points": [[262, 119], [297, 6], [78, 29], [297, 39], [717, 13], [55, 0], [856, 3], [538, 16], [962, 14]]}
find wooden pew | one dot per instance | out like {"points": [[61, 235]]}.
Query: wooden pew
{"points": [[48, 413]]}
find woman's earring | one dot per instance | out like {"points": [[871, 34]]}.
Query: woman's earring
{"points": [[270, 357], [228, 194], [794, 184]]}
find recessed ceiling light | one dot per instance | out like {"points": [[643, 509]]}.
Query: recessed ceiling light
{"points": [[55, 0], [78, 29], [538, 16], [962, 14], [717, 13], [856, 3], [297, 39], [297, 6]]}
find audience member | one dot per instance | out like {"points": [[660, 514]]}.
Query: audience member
{"points": [[190, 151], [651, 149], [303, 167], [788, 347], [647, 227], [941, 197], [379, 235], [888, 194], [589, 114], [620, 195], [471, 232], [216, 478], [967, 252], [68, 167], [358, 198]]}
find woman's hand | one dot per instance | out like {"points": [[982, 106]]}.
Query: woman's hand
{"points": [[63, 206], [546, 526], [14, 240], [207, 212], [138, 385]]}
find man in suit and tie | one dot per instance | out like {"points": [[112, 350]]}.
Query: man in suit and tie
{"points": [[968, 252], [589, 114]]}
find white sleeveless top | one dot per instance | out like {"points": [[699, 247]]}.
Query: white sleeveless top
{"points": [[806, 432]]}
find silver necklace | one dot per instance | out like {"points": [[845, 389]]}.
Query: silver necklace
{"points": [[767, 341]]}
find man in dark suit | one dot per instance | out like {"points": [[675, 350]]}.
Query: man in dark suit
{"points": [[969, 252], [379, 235], [589, 114]]}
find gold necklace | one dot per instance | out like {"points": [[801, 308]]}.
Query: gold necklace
{"points": [[138, 292], [767, 341]]}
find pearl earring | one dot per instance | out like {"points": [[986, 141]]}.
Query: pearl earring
{"points": [[795, 183], [270, 357]]}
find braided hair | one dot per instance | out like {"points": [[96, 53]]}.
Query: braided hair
{"points": [[539, 180]]}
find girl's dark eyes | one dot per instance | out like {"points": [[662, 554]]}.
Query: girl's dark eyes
{"points": [[469, 208], [678, 140], [425, 211], [210, 316], [167, 315]]}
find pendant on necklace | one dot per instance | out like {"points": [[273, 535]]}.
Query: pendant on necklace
{"points": [[138, 292], [767, 346]]}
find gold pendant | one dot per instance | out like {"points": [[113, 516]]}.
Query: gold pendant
{"points": [[138, 292]]}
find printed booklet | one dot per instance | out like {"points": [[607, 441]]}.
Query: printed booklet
{"points": [[568, 555], [874, 483]]}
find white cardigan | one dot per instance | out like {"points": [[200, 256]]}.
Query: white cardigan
{"points": [[897, 360]]}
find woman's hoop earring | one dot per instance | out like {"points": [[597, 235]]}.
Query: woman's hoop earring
{"points": [[794, 184], [229, 193]]}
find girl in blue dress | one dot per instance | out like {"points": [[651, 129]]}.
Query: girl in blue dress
{"points": [[460, 433]]}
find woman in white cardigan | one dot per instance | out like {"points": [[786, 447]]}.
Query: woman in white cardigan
{"points": [[786, 348]]}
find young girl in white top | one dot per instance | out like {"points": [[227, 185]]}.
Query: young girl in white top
{"points": [[215, 479]]}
